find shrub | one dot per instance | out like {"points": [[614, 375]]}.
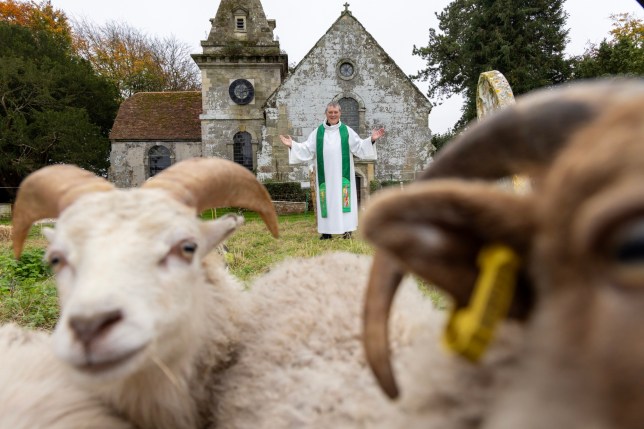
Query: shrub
{"points": [[376, 185], [286, 191], [30, 267], [439, 141], [27, 291]]}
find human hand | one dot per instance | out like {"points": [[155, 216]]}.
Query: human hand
{"points": [[287, 140], [376, 134]]}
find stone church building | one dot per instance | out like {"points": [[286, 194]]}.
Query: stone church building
{"points": [[249, 97]]}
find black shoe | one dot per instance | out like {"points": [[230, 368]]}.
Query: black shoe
{"points": [[325, 237], [347, 235]]}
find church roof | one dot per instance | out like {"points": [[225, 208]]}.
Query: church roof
{"points": [[345, 25], [159, 116]]}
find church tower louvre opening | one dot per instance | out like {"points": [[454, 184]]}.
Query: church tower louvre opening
{"points": [[241, 66]]}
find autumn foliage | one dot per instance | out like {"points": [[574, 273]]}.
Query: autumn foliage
{"points": [[61, 82], [627, 26], [40, 16], [134, 61], [54, 107], [620, 54], [130, 59]]}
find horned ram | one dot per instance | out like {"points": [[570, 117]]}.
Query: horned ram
{"points": [[570, 274]]}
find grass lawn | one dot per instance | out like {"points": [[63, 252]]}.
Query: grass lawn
{"points": [[28, 293]]}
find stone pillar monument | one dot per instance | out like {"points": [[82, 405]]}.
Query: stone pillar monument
{"points": [[493, 93]]}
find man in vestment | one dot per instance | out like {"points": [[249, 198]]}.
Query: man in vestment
{"points": [[333, 145]]}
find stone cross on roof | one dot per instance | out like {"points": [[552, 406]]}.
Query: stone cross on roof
{"points": [[346, 7]]}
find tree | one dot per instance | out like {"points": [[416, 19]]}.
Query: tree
{"points": [[622, 54], [38, 16], [53, 107], [439, 141], [134, 61], [180, 72], [523, 39]]}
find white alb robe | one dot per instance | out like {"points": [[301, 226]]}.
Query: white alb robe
{"points": [[336, 221]]}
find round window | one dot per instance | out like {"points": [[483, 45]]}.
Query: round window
{"points": [[346, 69]]}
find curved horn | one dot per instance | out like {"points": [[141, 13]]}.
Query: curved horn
{"points": [[383, 283], [527, 136], [213, 182], [523, 138], [45, 193]]}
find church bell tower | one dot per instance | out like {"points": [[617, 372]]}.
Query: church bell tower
{"points": [[241, 65]]}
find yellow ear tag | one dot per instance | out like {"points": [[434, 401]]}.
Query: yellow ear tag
{"points": [[469, 330]]}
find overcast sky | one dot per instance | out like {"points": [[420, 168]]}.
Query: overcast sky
{"points": [[396, 25]]}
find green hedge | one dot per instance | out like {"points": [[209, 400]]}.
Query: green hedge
{"points": [[279, 191], [376, 185], [287, 191]]}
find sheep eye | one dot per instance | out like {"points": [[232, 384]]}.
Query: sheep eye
{"points": [[626, 252], [631, 251], [184, 250], [188, 248], [628, 247], [56, 260]]}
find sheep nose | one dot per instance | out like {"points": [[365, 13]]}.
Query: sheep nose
{"points": [[87, 328]]}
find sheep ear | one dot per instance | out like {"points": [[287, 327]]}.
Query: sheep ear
{"points": [[218, 230], [437, 229]]}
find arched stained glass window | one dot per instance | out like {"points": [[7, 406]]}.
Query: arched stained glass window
{"points": [[350, 113], [243, 150], [158, 159]]}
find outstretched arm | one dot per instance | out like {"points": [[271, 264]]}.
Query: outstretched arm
{"points": [[287, 140], [376, 134]]}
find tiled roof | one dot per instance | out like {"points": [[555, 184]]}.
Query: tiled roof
{"points": [[159, 116]]}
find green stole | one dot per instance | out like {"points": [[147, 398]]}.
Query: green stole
{"points": [[346, 169]]}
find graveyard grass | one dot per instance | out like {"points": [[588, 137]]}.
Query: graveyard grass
{"points": [[28, 293]]}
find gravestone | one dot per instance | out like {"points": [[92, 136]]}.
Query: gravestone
{"points": [[494, 93]]}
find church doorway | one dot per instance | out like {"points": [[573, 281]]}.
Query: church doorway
{"points": [[359, 189]]}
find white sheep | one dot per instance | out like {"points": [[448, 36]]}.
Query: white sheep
{"points": [[318, 374], [293, 358], [168, 339], [579, 237], [36, 392], [140, 324]]}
